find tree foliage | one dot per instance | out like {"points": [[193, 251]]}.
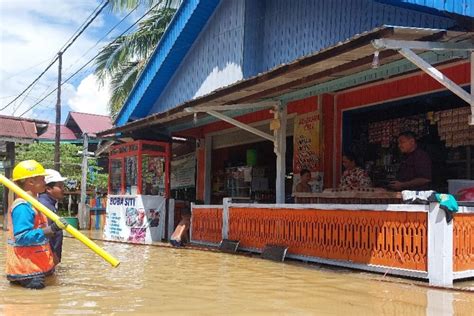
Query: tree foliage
{"points": [[71, 162], [122, 61]]}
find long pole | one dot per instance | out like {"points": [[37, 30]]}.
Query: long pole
{"points": [[55, 218], [57, 138]]}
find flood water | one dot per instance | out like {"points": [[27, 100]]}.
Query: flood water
{"points": [[154, 279]]}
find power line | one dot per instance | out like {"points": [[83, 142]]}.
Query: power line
{"points": [[102, 38], [82, 25], [30, 85], [85, 26], [90, 60], [67, 45], [22, 71], [98, 41]]}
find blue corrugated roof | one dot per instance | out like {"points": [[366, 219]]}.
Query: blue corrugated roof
{"points": [[461, 7], [183, 30]]}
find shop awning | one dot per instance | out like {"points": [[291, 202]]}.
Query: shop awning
{"points": [[350, 57]]}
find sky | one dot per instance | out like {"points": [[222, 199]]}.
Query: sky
{"points": [[31, 34]]}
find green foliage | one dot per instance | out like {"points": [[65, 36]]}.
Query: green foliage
{"points": [[71, 162], [126, 5], [124, 59]]}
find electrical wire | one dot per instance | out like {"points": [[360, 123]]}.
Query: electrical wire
{"points": [[92, 47], [91, 60], [65, 48]]}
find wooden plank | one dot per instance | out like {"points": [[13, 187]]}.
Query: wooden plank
{"points": [[374, 194]]}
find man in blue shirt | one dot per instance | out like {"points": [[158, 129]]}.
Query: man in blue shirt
{"points": [[50, 198]]}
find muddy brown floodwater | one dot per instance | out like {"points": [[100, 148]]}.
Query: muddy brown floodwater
{"points": [[154, 279]]}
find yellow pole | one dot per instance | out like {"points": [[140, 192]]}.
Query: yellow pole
{"points": [[55, 218]]}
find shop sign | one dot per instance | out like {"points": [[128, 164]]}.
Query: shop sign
{"points": [[307, 149], [183, 171], [135, 219]]}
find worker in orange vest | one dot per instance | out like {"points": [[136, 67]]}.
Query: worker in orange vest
{"points": [[29, 256]]}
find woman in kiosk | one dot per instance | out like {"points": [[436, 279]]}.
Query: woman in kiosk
{"points": [[354, 177]]}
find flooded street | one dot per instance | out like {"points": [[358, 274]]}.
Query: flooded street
{"points": [[157, 279]]}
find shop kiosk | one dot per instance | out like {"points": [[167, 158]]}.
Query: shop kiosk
{"points": [[139, 186]]}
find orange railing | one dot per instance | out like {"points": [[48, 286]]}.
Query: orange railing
{"points": [[394, 239], [206, 224], [463, 239]]}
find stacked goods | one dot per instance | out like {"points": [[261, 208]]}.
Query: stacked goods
{"points": [[453, 127], [384, 132]]}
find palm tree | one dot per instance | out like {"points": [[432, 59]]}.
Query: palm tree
{"points": [[123, 60]]}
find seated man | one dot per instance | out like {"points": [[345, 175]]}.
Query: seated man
{"points": [[414, 172]]}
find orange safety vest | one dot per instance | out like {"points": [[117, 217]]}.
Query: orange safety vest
{"points": [[25, 262]]}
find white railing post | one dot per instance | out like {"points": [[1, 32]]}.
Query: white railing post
{"points": [[440, 247], [170, 218], [225, 217]]}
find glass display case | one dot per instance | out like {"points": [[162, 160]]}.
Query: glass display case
{"points": [[140, 167]]}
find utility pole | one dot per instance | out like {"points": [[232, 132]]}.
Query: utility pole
{"points": [[83, 215], [57, 138], [7, 194]]}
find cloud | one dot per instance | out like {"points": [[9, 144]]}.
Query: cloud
{"points": [[90, 97], [31, 33]]}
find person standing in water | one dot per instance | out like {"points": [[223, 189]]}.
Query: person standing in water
{"points": [[28, 257], [50, 198]]}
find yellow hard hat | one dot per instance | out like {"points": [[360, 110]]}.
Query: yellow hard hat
{"points": [[28, 169]]}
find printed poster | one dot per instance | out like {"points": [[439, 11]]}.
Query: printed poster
{"points": [[136, 219], [183, 172], [307, 149]]}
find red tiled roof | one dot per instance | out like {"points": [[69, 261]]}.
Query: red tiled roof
{"points": [[19, 128], [90, 123], [65, 132]]}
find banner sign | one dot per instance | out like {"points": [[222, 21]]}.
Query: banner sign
{"points": [[306, 138], [183, 171], [135, 218], [307, 149]]}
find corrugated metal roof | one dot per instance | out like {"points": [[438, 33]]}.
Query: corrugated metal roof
{"points": [[183, 30], [89, 123], [17, 129], [343, 59], [65, 132], [461, 7]]}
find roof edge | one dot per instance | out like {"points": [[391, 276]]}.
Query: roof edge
{"points": [[167, 42]]}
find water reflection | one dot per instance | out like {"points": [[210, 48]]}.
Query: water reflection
{"points": [[155, 279]]}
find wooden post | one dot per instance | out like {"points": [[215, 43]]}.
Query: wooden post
{"points": [[83, 215], [57, 138], [280, 151], [207, 169], [472, 83], [7, 197]]}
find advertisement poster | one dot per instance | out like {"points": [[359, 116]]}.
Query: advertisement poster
{"points": [[183, 171], [135, 218], [307, 149]]}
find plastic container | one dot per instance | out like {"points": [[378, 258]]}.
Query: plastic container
{"points": [[463, 189], [73, 221]]}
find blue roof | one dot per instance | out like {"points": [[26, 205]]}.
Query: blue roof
{"points": [[461, 7], [183, 30]]}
